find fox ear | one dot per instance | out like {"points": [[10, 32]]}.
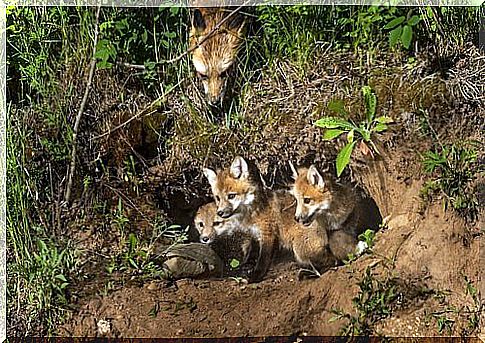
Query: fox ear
{"points": [[293, 170], [239, 168], [198, 21], [210, 175], [314, 177]]}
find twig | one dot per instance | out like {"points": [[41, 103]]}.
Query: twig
{"points": [[92, 67]]}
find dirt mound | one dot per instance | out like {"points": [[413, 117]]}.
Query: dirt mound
{"points": [[423, 254]]}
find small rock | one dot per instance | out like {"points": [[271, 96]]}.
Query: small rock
{"points": [[152, 286], [104, 327], [180, 332]]}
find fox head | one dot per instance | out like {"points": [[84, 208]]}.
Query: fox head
{"points": [[234, 189], [210, 225], [313, 195], [213, 55]]}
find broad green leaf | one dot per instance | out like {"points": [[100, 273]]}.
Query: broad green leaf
{"points": [[414, 20], [370, 103], [333, 123], [394, 36], [343, 157], [384, 120], [337, 106], [407, 36], [395, 22], [332, 133]]}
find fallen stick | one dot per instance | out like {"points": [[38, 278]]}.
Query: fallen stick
{"points": [[72, 167]]}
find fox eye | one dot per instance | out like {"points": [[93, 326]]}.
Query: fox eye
{"points": [[217, 198], [306, 200], [203, 77], [201, 224], [231, 196]]}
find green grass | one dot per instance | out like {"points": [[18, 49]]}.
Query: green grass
{"points": [[373, 303], [453, 170]]}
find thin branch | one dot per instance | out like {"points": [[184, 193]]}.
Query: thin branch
{"points": [[152, 108], [72, 167], [182, 55]]}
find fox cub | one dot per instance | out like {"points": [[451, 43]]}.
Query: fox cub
{"points": [[340, 209], [240, 195], [224, 235], [214, 43]]}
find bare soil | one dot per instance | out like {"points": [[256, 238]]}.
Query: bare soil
{"points": [[428, 249]]}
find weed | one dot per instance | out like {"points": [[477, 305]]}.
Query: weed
{"points": [[365, 130], [402, 29], [454, 169], [365, 244], [373, 303]]}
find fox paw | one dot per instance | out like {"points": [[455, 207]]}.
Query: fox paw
{"points": [[305, 274]]}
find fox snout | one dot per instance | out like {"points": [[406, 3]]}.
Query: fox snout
{"points": [[226, 212], [215, 90], [206, 239], [304, 219]]}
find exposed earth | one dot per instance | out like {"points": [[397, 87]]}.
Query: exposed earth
{"points": [[425, 251]]}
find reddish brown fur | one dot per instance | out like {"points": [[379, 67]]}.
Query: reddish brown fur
{"points": [[340, 220], [213, 56], [309, 245], [265, 219]]}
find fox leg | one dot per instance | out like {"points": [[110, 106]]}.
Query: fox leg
{"points": [[264, 261], [311, 273], [246, 250], [342, 243]]}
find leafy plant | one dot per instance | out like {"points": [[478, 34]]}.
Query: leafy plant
{"points": [[402, 29], [373, 303], [361, 133], [454, 168]]}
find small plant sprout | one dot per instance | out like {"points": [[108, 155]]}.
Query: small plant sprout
{"points": [[234, 263], [361, 133]]}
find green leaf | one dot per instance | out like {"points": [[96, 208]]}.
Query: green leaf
{"points": [[414, 20], [380, 127], [332, 133], [350, 136], [395, 22], [370, 103], [333, 123], [407, 36], [61, 277], [337, 106], [394, 36], [384, 120], [343, 157], [234, 263]]}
